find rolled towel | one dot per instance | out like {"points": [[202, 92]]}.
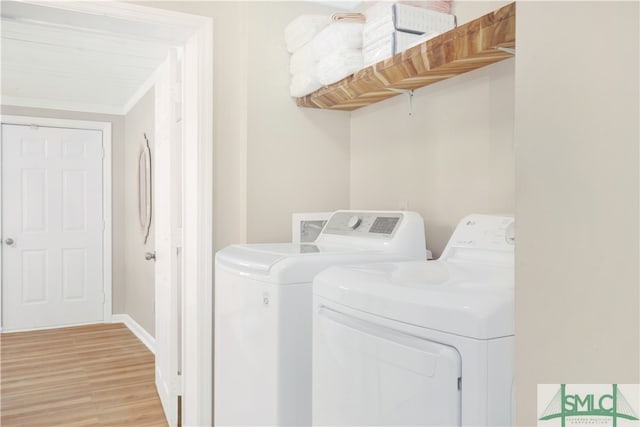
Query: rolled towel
{"points": [[348, 17], [339, 65], [302, 29], [338, 35], [303, 60], [303, 84]]}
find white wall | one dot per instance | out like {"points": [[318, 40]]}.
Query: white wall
{"points": [[452, 156], [577, 184], [138, 273], [298, 159], [117, 173]]}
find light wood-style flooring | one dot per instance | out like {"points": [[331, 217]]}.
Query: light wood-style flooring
{"points": [[95, 375]]}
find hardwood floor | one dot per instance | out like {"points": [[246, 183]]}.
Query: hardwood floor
{"points": [[95, 375]]}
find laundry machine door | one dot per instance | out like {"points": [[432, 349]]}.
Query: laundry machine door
{"points": [[367, 373]]}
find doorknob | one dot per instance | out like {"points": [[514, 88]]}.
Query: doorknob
{"points": [[150, 256], [9, 241]]}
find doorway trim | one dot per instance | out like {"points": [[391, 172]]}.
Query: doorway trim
{"points": [[197, 325], [105, 128]]}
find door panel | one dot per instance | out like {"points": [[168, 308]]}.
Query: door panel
{"points": [[34, 277], [73, 200], [34, 192], [52, 210], [74, 277]]}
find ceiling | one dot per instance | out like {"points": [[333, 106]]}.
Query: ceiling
{"points": [[76, 58]]}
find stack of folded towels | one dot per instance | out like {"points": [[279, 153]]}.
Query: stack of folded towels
{"points": [[327, 49], [324, 50], [393, 27]]}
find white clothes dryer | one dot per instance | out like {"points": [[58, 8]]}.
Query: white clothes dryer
{"points": [[419, 343], [262, 368]]}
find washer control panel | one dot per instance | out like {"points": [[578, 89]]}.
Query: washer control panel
{"points": [[364, 224]]}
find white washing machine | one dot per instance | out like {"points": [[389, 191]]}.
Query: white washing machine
{"points": [[263, 300], [419, 343]]}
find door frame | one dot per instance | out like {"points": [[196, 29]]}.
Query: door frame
{"points": [[197, 244], [105, 128]]}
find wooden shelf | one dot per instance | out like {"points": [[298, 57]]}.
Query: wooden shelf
{"points": [[468, 47]]}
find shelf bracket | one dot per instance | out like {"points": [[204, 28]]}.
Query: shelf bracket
{"points": [[408, 92]]}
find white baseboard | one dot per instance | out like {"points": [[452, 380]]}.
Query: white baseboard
{"points": [[44, 328], [137, 330]]}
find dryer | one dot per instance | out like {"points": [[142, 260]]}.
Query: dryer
{"points": [[419, 343], [262, 368]]}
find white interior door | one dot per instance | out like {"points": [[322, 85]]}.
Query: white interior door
{"points": [[167, 208], [52, 227]]}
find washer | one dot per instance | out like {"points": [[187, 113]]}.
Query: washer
{"points": [[263, 312], [419, 343]]}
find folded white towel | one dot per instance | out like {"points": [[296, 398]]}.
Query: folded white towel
{"points": [[338, 35], [303, 84], [373, 31], [302, 29], [348, 17], [378, 50], [339, 65], [303, 60]]}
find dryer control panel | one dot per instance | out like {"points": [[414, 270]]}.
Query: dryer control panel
{"points": [[364, 224], [482, 237]]}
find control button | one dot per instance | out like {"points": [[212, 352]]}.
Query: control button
{"points": [[354, 222]]}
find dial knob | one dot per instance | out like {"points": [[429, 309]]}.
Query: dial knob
{"points": [[354, 222]]}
